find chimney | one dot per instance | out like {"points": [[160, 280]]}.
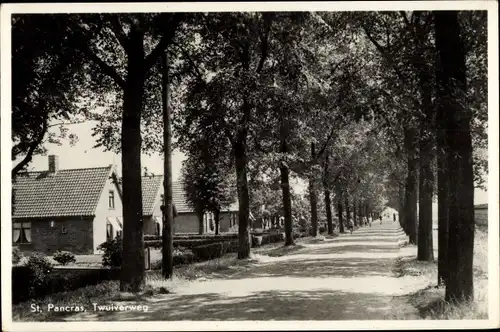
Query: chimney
{"points": [[53, 163]]}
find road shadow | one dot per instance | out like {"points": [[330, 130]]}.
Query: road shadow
{"points": [[346, 278], [268, 305]]}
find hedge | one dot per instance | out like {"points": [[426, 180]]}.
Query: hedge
{"points": [[56, 280], [225, 236], [183, 243], [180, 258], [215, 250]]}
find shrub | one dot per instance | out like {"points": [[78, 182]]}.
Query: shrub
{"points": [[39, 268], [112, 252], [180, 258], [189, 243], [17, 255], [214, 250], [64, 257], [56, 281], [256, 241]]}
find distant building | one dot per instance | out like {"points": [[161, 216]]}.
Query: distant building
{"points": [[66, 209], [186, 220]]}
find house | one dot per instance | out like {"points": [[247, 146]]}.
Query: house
{"points": [[481, 214], [186, 220], [66, 209], [152, 199]]}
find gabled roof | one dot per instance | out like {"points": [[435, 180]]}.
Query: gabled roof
{"points": [[68, 192], [180, 200], [151, 184]]}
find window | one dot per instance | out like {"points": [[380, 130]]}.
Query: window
{"points": [[64, 230], [111, 199], [119, 234], [109, 231], [21, 232]]}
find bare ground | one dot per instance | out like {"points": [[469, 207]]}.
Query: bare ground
{"points": [[349, 277]]}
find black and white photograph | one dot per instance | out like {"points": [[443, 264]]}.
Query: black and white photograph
{"points": [[235, 166]]}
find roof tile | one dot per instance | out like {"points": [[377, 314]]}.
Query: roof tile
{"points": [[68, 192]]}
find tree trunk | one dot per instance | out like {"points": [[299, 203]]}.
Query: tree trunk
{"points": [[411, 186], [328, 205], [285, 185], [354, 213], [360, 214], [313, 199], [287, 204], [347, 210], [426, 179], [442, 178], [241, 165], [340, 210], [451, 95], [402, 206], [217, 217], [133, 267], [426, 183], [168, 213]]}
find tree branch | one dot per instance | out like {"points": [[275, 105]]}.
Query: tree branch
{"points": [[166, 39], [66, 123], [29, 155], [82, 43], [405, 18], [264, 40], [117, 29]]}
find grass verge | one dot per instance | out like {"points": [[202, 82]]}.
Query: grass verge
{"points": [[109, 292], [429, 301]]}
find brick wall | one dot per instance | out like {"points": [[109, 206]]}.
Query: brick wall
{"points": [[75, 235], [186, 223]]}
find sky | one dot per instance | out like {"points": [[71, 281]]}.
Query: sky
{"points": [[83, 155]]}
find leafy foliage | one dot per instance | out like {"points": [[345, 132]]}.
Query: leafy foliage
{"points": [[112, 252], [64, 257], [17, 255]]}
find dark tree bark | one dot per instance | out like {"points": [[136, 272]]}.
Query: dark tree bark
{"points": [[340, 210], [217, 219], [354, 216], [313, 199], [347, 209], [451, 100], [287, 204], [411, 185], [285, 185], [442, 178], [168, 212], [133, 266], [328, 205], [426, 179], [241, 165], [401, 208], [426, 183]]}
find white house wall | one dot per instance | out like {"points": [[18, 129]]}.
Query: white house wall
{"points": [[103, 212]]}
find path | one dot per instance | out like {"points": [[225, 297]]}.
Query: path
{"points": [[346, 278]]}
